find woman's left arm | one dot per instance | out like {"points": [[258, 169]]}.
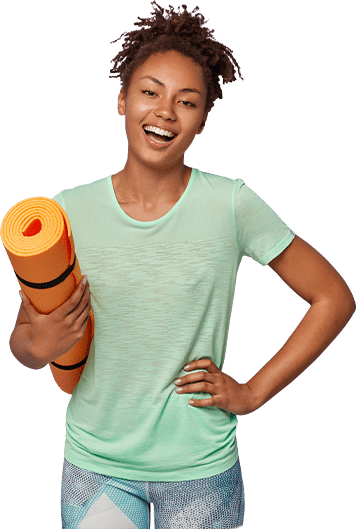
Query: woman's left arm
{"points": [[313, 278]]}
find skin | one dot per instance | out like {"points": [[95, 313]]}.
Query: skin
{"points": [[153, 180]]}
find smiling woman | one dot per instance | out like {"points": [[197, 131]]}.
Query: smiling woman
{"points": [[162, 114], [153, 417], [170, 79]]}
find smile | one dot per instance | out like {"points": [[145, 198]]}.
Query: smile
{"points": [[158, 144]]}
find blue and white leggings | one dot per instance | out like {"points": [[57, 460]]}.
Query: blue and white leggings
{"points": [[95, 501]]}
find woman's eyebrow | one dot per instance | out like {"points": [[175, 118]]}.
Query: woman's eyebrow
{"points": [[164, 86]]}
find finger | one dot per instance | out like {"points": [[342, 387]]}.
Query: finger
{"points": [[203, 363], [201, 403], [182, 391], [195, 377]]}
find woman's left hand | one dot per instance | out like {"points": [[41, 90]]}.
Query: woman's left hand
{"points": [[226, 393]]}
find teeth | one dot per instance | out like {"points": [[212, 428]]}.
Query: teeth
{"points": [[161, 132]]}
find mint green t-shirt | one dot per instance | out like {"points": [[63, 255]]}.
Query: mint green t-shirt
{"points": [[162, 294]]}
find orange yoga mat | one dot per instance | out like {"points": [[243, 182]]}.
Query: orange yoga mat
{"points": [[38, 239]]}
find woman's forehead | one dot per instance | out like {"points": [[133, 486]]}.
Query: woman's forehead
{"points": [[170, 65]]}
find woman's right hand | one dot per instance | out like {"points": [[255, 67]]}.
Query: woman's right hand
{"points": [[56, 333]]}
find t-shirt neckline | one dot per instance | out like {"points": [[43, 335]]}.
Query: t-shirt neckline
{"points": [[156, 221]]}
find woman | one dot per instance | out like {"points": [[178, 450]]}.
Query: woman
{"points": [[161, 244]]}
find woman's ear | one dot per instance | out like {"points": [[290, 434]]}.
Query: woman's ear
{"points": [[121, 103], [201, 128]]}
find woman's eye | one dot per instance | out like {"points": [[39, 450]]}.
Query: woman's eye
{"points": [[149, 92]]}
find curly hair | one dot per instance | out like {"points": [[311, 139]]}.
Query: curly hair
{"points": [[183, 33]]}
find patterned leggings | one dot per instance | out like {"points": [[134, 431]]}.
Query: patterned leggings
{"points": [[95, 501]]}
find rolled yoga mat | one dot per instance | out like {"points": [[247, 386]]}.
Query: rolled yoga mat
{"points": [[38, 239]]}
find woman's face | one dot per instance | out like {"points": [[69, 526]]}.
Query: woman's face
{"points": [[167, 91]]}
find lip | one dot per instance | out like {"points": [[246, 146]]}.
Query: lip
{"points": [[156, 144], [158, 127]]}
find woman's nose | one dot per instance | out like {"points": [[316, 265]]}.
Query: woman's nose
{"points": [[165, 110]]}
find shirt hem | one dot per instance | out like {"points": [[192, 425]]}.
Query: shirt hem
{"points": [[141, 475], [282, 245]]}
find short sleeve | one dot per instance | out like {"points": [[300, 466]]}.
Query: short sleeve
{"points": [[60, 200], [260, 233]]}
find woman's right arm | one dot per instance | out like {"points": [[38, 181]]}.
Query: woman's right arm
{"points": [[20, 343], [39, 339]]}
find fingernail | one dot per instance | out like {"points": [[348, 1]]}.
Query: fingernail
{"points": [[85, 279], [21, 296]]}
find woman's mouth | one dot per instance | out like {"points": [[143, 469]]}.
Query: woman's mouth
{"points": [[158, 140]]}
